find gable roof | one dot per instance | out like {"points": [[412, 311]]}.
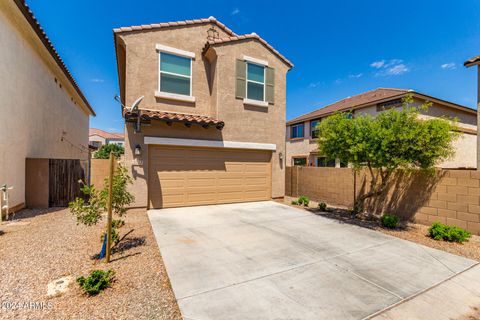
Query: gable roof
{"points": [[37, 28], [371, 97], [472, 62], [105, 134], [251, 36], [174, 24]]}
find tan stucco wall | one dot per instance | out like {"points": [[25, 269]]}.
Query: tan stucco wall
{"points": [[36, 112], [465, 146], [242, 123]]}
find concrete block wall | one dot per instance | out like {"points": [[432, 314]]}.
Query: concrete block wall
{"points": [[449, 196]]}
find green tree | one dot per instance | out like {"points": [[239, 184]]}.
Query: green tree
{"points": [[104, 151], [394, 139]]}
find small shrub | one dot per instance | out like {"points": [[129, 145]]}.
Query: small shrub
{"points": [[303, 200], [440, 231], [322, 206], [295, 202], [96, 282], [389, 221]]}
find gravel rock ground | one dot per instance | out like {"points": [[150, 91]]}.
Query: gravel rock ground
{"points": [[411, 231], [48, 244]]}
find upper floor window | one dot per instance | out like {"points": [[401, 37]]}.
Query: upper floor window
{"points": [[296, 131], [389, 105], [175, 74], [313, 129], [255, 82]]}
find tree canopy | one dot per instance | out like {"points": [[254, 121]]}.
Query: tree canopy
{"points": [[104, 151], [393, 139]]}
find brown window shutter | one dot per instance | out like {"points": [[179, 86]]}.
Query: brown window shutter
{"points": [[240, 83], [270, 84]]}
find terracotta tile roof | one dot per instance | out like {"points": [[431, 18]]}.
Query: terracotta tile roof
{"points": [[471, 62], [174, 24], [105, 134], [175, 117], [251, 36], [28, 14], [352, 102], [372, 97]]}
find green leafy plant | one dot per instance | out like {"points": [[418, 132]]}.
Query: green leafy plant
{"points": [[120, 196], [303, 200], [389, 221], [393, 139], [116, 223], [104, 151], [322, 206], [295, 202], [440, 231], [96, 282], [88, 212]]}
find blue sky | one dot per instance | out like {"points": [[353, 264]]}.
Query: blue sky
{"points": [[339, 48]]}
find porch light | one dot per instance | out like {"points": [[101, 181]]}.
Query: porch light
{"points": [[280, 156], [138, 150]]}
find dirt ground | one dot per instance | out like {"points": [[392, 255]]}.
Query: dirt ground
{"points": [[43, 245]]}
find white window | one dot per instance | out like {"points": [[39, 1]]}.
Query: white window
{"points": [[255, 81], [175, 74]]}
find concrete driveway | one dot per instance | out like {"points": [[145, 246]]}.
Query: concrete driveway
{"points": [[265, 260]]}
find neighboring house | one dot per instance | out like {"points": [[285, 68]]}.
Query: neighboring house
{"points": [[98, 137], [210, 128], [44, 114], [470, 63], [302, 149]]}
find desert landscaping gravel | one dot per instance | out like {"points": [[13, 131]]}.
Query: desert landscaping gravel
{"points": [[43, 245]]}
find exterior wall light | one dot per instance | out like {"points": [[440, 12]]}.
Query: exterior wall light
{"points": [[280, 156], [138, 150]]}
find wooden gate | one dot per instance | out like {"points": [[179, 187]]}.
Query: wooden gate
{"points": [[64, 176]]}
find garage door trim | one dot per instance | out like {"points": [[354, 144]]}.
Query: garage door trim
{"points": [[209, 143]]}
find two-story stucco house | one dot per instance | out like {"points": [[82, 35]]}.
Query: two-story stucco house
{"points": [[44, 114], [302, 149], [211, 126], [99, 137]]}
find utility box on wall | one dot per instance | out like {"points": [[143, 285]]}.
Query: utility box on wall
{"points": [[53, 182]]}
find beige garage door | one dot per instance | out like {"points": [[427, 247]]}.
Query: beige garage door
{"points": [[185, 176]]}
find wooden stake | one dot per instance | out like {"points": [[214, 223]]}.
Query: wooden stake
{"points": [[109, 206]]}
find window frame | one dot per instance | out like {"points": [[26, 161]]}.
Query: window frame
{"points": [[247, 62], [299, 157], [311, 128], [296, 125], [190, 77], [326, 162]]}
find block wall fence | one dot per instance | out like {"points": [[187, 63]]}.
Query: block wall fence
{"points": [[449, 196]]}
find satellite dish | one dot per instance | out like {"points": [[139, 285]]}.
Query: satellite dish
{"points": [[135, 104]]}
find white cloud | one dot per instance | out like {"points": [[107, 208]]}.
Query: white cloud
{"points": [[97, 80], [314, 85], [338, 81], [355, 76], [235, 11], [377, 64], [397, 70], [392, 67], [448, 66]]}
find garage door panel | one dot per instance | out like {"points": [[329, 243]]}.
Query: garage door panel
{"points": [[183, 176]]}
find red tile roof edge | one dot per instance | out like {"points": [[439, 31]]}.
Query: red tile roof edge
{"points": [[389, 93], [250, 36], [105, 134], [28, 14], [174, 24], [176, 117]]}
